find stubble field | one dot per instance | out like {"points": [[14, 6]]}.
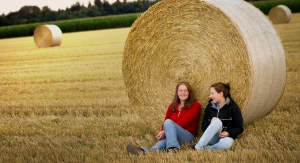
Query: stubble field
{"points": [[69, 104]]}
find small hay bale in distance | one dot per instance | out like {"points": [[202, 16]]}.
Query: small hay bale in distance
{"points": [[204, 42], [280, 14], [47, 36]]}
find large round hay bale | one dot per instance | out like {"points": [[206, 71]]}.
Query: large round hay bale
{"points": [[280, 14], [47, 36], [204, 42]]}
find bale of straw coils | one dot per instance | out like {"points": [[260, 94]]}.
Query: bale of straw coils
{"points": [[47, 36], [204, 42], [280, 14]]}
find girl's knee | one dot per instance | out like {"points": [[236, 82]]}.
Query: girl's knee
{"points": [[217, 122], [226, 142], [168, 121]]}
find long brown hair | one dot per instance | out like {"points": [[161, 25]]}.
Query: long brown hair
{"points": [[221, 87], [188, 102]]}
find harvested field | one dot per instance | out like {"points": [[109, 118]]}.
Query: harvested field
{"points": [[69, 104]]}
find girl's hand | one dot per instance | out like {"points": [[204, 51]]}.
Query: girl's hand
{"points": [[223, 134], [160, 135]]}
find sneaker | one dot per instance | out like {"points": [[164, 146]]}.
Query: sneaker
{"points": [[192, 146], [133, 149], [173, 150]]}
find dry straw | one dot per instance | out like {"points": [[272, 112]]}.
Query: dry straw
{"points": [[203, 42], [47, 36], [280, 14]]}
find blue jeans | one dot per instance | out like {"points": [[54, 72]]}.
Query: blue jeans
{"points": [[211, 140], [175, 135]]}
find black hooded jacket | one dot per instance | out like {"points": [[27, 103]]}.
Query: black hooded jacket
{"points": [[230, 115]]}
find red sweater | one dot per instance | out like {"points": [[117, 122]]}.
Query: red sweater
{"points": [[187, 118]]}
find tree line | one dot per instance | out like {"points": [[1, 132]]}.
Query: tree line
{"points": [[33, 14]]}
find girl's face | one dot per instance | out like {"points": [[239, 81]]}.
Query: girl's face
{"points": [[215, 96], [183, 93]]}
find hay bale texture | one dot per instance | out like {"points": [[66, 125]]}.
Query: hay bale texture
{"points": [[204, 42], [280, 14], [47, 36]]}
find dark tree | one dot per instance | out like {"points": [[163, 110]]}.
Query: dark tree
{"points": [[51, 16], [28, 12], [90, 4], [32, 14], [3, 21], [98, 3], [108, 10], [118, 7], [76, 7], [12, 18], [93, 11], [62, 15], [44, 12]]}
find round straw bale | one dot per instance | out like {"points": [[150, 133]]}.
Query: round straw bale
{"points": [[203, 42], [47, 36], [280, 14]]}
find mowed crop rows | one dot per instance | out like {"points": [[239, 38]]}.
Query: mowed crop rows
{"points": [[69, 104]]}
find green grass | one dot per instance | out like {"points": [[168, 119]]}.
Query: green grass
{"points": [[74, 25], [69, 104], [266, 6]]}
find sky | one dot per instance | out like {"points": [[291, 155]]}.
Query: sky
{"points": [[7, 6]]}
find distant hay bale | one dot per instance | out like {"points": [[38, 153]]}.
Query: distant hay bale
{"points": [[204, 42], [47, 36], [280, 14]]}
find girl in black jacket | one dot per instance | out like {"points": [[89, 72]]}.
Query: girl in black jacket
{"points": [[222, 121]]}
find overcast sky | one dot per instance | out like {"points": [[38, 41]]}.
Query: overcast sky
{"points": [[7, 6]]}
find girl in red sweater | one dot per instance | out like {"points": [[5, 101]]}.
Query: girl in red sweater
{"points": [[180, 124]]}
